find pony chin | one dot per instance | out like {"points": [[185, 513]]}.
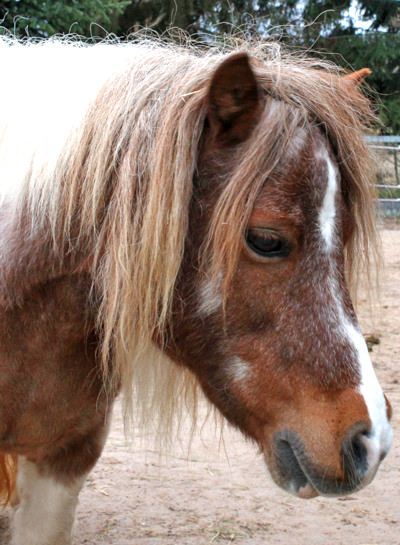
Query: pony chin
{"points": [[298, 486], [306, 492]]}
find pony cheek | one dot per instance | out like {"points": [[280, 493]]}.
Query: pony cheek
{"points": [[263, 395]]}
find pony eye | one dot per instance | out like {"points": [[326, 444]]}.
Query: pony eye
{"points": [[267, 243]]}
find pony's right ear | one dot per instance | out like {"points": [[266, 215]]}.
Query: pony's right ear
{"points": [[234, 100], [356, 78]]}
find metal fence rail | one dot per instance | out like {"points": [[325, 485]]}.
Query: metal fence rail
{"points": [[388, 175], [387, 150]]}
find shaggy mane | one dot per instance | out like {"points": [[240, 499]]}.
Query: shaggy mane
{"points": [[117, 183]]}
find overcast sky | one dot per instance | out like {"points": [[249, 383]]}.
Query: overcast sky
{"points": [[355, 16]]}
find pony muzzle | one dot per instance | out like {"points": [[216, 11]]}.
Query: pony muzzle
{"points": [[296, 470]]}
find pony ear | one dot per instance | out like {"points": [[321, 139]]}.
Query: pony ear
{"points": [[234, 99], [356, 78]]}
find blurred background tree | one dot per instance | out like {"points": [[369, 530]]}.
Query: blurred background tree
{"points": [[353, 33], [43, 18]]}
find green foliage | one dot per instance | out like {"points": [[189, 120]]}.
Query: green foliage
{"points": [[206, 16], [327, 13], [378, 51], [390, 113], [389, 193], [45, 18]]}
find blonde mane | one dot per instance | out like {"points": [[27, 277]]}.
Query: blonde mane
{"points": [[119, 183]]}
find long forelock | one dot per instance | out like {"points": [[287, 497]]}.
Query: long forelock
{"points": [[307, 93]]}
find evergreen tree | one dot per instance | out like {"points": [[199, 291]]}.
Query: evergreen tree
{"points": [[384, 13], [377, 47], [45, 18]]}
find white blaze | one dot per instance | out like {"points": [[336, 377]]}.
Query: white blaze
{"points": [[370, 389], [380, 438], [327, 213]]}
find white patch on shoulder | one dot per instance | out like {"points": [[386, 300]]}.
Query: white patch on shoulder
{"points": [[210, 296], [46, 512], [328, 210]]}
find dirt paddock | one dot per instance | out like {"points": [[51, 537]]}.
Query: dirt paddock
{"points": [[220, 492]]}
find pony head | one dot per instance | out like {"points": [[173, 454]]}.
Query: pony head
{"points": [[262, 312]]}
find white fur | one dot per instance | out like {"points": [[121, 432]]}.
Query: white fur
{"points": [[210, 299], [380, 437], [164, 393], [327, 213], [52, 89], [46, 512], [238, 370]]}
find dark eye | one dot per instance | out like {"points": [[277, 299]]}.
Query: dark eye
{"points": [[267, 243]]}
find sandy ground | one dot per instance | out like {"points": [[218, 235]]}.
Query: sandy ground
{"points": [[220, 492]]}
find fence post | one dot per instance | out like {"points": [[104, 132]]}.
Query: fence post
{"points": [[396, 166]]}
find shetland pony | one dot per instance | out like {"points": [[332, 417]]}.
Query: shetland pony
{"points": [[173, 218]]}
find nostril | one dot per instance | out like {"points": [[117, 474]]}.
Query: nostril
{"points": [[355, 453], [359, 452]]}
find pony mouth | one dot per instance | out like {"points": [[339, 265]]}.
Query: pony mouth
{"points": [[296, 473], [292, 475]]}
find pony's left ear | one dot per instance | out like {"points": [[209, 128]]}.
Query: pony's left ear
{"points": [[356, 78], [234, 100]]}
